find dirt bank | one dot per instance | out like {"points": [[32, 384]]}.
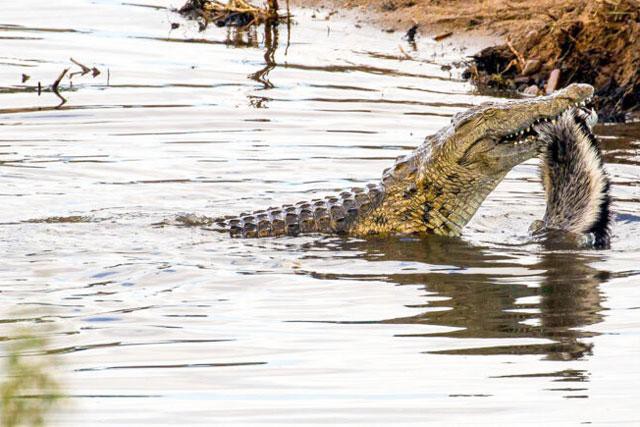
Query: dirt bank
{"points": [[546, 44]]}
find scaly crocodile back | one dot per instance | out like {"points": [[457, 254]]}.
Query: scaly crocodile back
{"points": [[333, 214]]}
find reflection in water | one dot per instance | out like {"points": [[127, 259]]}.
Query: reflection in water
{"points": [[270, 47], [258, 101], [248, 37], [486, 300], [242, 36]]}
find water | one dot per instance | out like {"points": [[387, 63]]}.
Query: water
{"points": [[156, 323]]}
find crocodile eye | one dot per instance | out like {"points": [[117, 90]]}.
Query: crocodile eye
{"points": [[490, 112]]}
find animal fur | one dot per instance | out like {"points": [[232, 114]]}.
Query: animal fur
{"points": [[574, 179]]}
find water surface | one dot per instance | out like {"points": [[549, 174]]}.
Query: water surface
{"points": [[159, 325]]}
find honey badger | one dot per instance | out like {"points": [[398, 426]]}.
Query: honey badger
{"points": [[575, 182]]}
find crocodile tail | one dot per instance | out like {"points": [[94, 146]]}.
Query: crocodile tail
{"points": [[333, 214]]}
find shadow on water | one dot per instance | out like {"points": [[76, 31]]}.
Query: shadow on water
{"points": [[487, 295]]}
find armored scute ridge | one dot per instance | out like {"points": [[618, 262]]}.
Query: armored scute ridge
{"points": [[331, 215]]}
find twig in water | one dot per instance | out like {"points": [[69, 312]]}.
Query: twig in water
{"points": [[405, 55], [84, 68], [54, 87]]}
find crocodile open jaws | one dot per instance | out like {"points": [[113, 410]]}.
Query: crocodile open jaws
{"points": [[434, 190]]}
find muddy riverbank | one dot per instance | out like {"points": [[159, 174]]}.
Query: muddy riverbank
{"points": [[542, 46]]}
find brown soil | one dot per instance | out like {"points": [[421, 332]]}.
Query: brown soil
{"points": [[596, 42]]}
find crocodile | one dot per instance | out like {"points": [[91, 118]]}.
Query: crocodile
{"points": [[434, 190], [575, 182]]}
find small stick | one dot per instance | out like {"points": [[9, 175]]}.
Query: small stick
{"points": [[54, 86], [404, 54], [508, 67], [550, 15], [518, 55], [85, 69], [443, 36]]}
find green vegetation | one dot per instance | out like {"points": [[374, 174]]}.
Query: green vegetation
{"points": [[28, 389]]}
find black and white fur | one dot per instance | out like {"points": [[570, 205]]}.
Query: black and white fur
{"points": [[575, 181]]}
